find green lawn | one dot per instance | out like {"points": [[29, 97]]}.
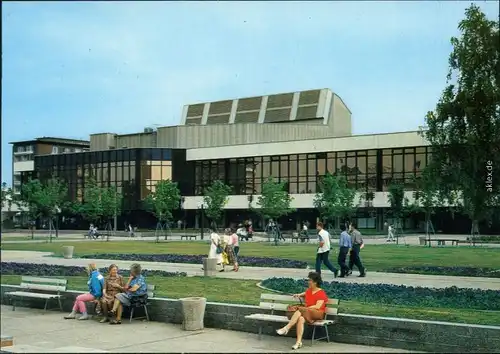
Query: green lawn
{"points": [[376, 257], [247, 292]]}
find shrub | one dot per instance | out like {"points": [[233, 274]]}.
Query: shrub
{"points": [[48, 270], [198, 259], [452, 297], [451, 271]]}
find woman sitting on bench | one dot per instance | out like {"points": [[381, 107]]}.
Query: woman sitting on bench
{"points": [[314, 309], [113, 285], [95, 283], [135, 288]]}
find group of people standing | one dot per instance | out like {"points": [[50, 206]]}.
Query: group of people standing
{"points": [[224, 249], [350, 244]]}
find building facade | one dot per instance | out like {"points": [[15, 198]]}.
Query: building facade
{"points": [[24, 152], [295, 137]]}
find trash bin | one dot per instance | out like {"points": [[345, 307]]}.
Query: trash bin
{"points": [[423, 240], [209, 267], [68, 251], [193, 312]]}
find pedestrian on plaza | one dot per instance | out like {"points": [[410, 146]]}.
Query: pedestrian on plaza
{"points": [[345, 244], [324, 250], [130, 230], [390, 233], [230, 243], [357, 246]]}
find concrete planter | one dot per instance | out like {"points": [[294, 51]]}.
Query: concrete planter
{"points": [[68, 251], [193, 313], [422, 240], [209, 267]]}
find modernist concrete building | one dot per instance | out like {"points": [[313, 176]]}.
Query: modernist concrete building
{"points": [[296, 137]]}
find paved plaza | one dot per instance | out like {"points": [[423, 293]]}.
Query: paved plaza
{"points": [[36, 331], [260, 273]]}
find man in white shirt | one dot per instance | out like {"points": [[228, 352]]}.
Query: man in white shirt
{"points": [[390, 233], [324, 250]]}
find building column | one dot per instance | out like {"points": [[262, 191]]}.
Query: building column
{"points": [[234, 107], [263, 107], [204, 117], [295, 105], [184, 114]]}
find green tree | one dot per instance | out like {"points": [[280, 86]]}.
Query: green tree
{"points": [[7, 196], [215, 199], [274, 201], [165, 199], [46, 199], [426, 198], [111, 203], [90, 208], [464, 129], [335, 199], [400, 206]]}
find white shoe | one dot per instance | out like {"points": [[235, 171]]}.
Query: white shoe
{"points": [[297, 346], [83, 317], [282, 331], [71, 316]]}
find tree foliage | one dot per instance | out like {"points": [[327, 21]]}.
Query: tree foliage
{"points": [[164, 200], [99, 203], [427, 196], [215, 199], [8, 197], [90, 208], [274, 200], [45, 199], [397, 200], [335, 198], [464, 129]]}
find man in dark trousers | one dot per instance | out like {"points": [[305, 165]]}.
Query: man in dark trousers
{"points": [[357, 245], [324, 250], [345, 245]]}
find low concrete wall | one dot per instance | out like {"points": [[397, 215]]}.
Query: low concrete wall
{"points": [[353, 329]]}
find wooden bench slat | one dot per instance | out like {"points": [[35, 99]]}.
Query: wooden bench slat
{"points": [[35, 295], [50, 281], [282, 319], [273, 306], [42, 287]]}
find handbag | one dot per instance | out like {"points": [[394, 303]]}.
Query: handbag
{"points": [[219, 249], [291, 309]]}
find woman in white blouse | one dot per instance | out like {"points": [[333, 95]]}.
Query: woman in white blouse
{"points": [[215, 246]]}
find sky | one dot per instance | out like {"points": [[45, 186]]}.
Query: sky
{"points": [[71, 69]]}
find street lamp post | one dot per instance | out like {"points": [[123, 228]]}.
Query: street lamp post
{"points": [[202, 206], [57, 211]]}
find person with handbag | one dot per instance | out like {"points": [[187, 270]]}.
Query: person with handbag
{"points": [[216, 248], [313, 310]]}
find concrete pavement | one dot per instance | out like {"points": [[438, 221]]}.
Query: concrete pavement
{"points": [[261, 273], [35, 331]]}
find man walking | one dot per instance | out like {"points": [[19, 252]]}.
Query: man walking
{"points": [[324, 250], [345, 245], [357, 245], [390, 233]]}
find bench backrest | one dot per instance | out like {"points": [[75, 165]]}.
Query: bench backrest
{"points": [[44, 284], [151, 291], [275, 302]]}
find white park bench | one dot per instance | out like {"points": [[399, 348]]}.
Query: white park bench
{"points": [[33, 287], [280, 303]]}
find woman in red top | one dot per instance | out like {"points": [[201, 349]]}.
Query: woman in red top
{"points": [[314, 309]]}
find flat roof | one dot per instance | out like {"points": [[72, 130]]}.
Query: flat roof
{"points": [[48, 139]]}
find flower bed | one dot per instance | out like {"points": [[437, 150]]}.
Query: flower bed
{"points": [[396, 295], [198, 259], [452, 271], [48, 270]]}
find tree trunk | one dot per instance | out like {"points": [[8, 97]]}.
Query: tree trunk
{"points": [[474, 231]]}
